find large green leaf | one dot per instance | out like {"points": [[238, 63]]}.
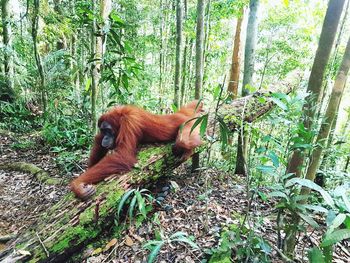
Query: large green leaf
{"points": [[335, 237], [309, 184], [154, 252], [338, 220], [123, 200], [315, 255], [309, 220]]}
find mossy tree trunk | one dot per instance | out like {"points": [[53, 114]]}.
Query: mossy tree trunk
{"points": [[70, 225]]}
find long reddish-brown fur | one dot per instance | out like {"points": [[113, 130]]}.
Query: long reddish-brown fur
{"points": [[134, 125]]}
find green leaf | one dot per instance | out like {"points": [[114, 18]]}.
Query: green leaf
{"points": [[280, 104], [346, 201], [123, 200], [309, 220], [335, 237], [152, 243], [315, 255], [196, 123], [278, 194], [328, 254], [347, 222], [338, 220], [88, 84], [307, 183], [185, 240], [116, 18], [141, 203], [132, 207], [274, 159], [316, 208], [266, 168], [178, 234], [204, 125], [154, 252], [224, 132], [216, 92]]}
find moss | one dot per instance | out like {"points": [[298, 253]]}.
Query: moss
{"points": [[75, 234], [87, 216], [19, 246], [51, 181], [39, 255]]}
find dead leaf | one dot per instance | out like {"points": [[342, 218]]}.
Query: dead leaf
{"points": [[97, 251], [128, 241], [110, 244]]}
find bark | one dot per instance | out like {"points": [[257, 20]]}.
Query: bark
{"points": [[332, 67], [232, 87], [178, 52], [184, 72], [330, 115], [161, 25], [206, 35], [7, 93], [98, 40], [199, 48], [70, 225], [249, 60], [250, 45], [199, 63], [37, 56], [184, 61]]}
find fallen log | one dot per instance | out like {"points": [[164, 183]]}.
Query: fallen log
{"points": [[70, 225]]}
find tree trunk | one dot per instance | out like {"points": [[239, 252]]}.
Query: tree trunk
{"points": [[178, 53], [249, 60], [184, 73], [98, 39], [332, 67], [37, 56], [161, 25], [70, 225], [199, 49], [331, 112], [199, 63], [250, 46], [232, 87], [184, 62], [326, 41], [206, 35], [7, 93]]}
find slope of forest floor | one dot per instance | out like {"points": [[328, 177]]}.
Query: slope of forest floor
{"points": [[23, 198]]}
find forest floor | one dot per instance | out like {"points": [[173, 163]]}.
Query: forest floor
{"points": [[23, 198]]}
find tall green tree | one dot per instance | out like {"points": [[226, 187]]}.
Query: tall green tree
{"points": [[329, 118], [249, 59], [179, 18], [7, 92], [38, 60], [232, 87], [325, 45], [314, 88], [199, 63], [98, 38]]}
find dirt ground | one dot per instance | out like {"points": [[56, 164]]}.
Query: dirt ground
{"points": [[23, 198]]}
